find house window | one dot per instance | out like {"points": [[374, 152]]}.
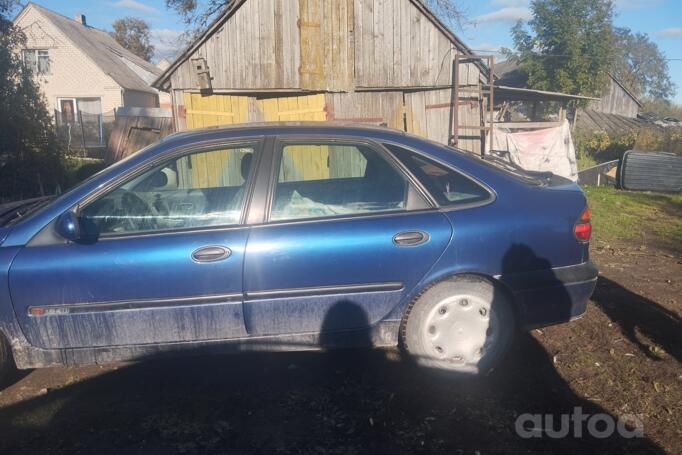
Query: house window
{"points": [[37, 60]]}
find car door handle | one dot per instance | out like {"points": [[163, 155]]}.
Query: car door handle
{"points": [[410, 238], [211, 253]]}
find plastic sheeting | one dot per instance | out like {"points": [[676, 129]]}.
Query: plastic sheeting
{"points": [[547, 149]]}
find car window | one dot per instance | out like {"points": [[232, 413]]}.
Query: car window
{"points": [[320, 180], [446, 185], [200, 189]]}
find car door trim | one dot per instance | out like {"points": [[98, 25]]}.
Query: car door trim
{"points": [[135, 304], [346, 217], [325, 290]]}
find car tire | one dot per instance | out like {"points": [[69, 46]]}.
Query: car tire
{"points": [[6, 360], [461, 326]]}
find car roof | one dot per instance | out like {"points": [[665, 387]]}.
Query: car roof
{"points": [[275, 128]]}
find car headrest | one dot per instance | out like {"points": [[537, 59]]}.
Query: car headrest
{"points": [[246, 165], [158, 180]]}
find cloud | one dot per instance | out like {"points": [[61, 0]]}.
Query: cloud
{"points": [[488, 49], [511, 2], [167, 42], [137, 6], [670, 33], [506, 14]]}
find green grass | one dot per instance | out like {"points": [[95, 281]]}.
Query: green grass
{"points": [[585, 161], [620, 216]]}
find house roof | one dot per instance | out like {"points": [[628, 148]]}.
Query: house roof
{"points": [[124, 67], [510, 75], [223, 17], [591, 120], [504, 93]]}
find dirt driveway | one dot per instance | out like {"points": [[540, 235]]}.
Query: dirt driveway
{"points": [[623, 357]]}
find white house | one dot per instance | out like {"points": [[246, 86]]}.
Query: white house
{"points": [[84, 73]]}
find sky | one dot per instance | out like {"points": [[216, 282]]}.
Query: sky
{"points": [[491, 21]]}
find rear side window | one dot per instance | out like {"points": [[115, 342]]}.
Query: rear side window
{"points": [[331, 179], [448, 187]]}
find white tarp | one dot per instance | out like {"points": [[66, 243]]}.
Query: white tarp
{"points": [[547, 149]]}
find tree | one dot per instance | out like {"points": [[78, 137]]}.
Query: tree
{"points": [[641, 66], [449, 11], [133, 34], [31, 159], [568, 45], [197, 14]]}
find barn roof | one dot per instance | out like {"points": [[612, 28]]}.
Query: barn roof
{"points": [[162, 81], [103, 50]]}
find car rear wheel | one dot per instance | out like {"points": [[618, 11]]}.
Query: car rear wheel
{"points": [[462, 325]]}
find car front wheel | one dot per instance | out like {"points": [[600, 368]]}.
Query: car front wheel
{"points": [[6, 361], [463, 325]]}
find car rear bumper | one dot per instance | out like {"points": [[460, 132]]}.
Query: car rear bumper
{"points": [[552, 296]]}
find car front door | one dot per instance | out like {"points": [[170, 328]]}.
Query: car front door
{"points": [[159, 260], [346, 237]]}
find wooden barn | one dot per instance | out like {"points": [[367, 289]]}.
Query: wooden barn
{"points": [[615, 112], [386, 62], [616, 99]]}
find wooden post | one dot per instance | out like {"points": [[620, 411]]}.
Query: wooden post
{"points": [[491, 87], [455, 112], [80, 119], [453, 103]]}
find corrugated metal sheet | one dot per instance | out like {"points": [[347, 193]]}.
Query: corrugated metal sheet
{"points": [[651, 171]]}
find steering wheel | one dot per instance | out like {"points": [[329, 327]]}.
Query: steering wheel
{"points": [[139, 216]]}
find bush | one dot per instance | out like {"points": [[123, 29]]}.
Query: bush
{"points": [[31, 156], [78, 169], [599, 146], [667, 140]]}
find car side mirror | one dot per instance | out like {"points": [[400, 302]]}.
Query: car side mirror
{"points": [[68, 226]]}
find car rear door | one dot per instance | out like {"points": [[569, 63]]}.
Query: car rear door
{"points": [[346, 237], [160, 261]]}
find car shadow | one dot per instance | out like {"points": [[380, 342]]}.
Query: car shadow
{"points": [[633, 312], [331, 402]]}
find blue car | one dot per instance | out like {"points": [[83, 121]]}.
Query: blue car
{"points": [[293, 237]]}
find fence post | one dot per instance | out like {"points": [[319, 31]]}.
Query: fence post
{"points": [[80, 120]]}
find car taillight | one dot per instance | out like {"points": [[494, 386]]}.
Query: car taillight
{"points": [[583, 227]]}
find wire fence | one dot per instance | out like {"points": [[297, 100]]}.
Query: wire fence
{"points": [[85, 134]]}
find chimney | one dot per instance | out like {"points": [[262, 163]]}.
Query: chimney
{"points": [[80, 18]]}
